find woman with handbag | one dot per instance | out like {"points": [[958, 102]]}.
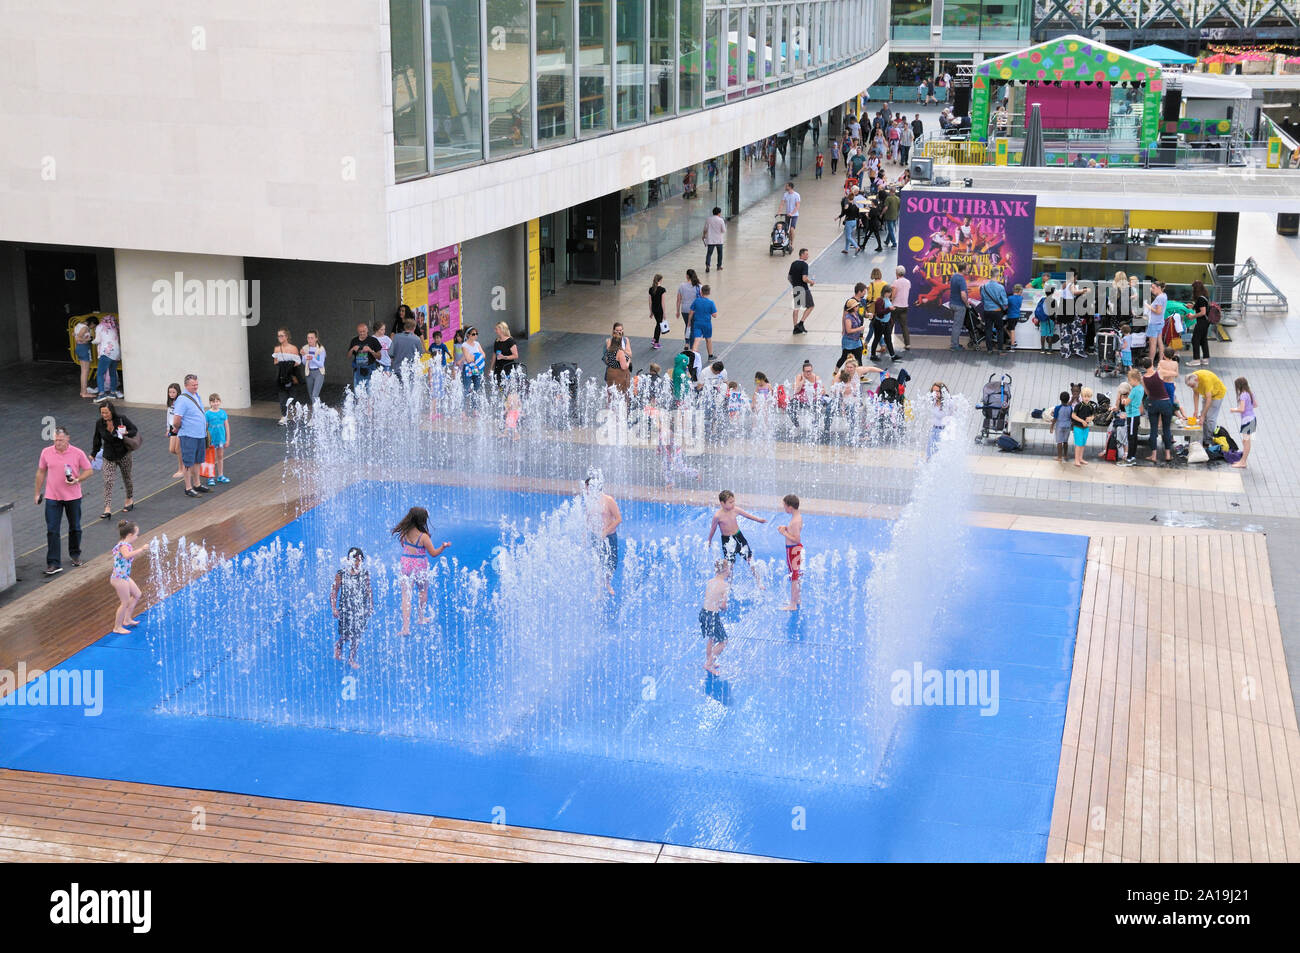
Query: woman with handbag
{"points": [[657, 292], [617, 363], [288, 367], [118, 438]]}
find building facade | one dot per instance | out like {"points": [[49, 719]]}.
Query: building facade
{"points": [[321, 154]]}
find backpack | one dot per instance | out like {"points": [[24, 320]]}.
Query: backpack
{"points": [[1112, 447], [1223, 435], [1212, 313], [1008, 444]]}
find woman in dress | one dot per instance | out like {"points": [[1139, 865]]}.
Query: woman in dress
{"points": [[288, 364], [618, 364], [83, 335]]}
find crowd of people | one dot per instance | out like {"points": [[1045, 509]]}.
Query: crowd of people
{"points": [[1149, 389]]}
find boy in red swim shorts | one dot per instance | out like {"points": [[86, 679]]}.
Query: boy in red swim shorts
{"points": [[793, 548]]}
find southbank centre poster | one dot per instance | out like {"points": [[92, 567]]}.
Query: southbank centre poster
{"points": [[939, 230]]}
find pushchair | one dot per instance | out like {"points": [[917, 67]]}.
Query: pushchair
{"points": [[780, 236], [1108, 353], [974, 325], [995, 403]]}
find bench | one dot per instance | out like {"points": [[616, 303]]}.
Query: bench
{"points": [[1021, 422]]}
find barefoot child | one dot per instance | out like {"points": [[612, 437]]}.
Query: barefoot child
{"points": [[120, 579], [1081, 417], [352, 601], [219, 434], [715, 601], [793, 547], [733, 540], [417, 546], [1246, 407], [1061, 425]]}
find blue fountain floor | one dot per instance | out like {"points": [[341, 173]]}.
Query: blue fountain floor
{"points": [[958, 786]]}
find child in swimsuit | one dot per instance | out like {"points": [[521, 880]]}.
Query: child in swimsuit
{"points": [[417, 546], [711, 627], [127, 591], [733, 540], [793, 548], [352, 601]]}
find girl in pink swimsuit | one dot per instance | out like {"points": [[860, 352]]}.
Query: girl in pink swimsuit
{"points": [[417, 546]]}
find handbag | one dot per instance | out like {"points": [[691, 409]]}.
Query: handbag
{"points": [[208, 468], [664, 326], [98, 462], [132, 442]]}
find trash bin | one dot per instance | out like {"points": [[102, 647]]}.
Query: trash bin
{"points": [[1288, 223]]}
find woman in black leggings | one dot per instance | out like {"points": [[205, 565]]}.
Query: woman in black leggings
{"points": [[657, 292], [1201, 331], [1161, 413]]}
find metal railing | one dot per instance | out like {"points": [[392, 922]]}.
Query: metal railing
{"points": [[1101, 153], [1249, 289]]}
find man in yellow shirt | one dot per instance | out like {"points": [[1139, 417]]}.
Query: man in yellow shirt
{"points": [[1209, 393]]}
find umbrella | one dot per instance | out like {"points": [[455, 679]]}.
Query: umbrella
{"points": [[1163, 55], [1033, 153]]}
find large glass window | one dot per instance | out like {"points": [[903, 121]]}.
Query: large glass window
{"points": [[713, 47], [798, 31], [510, 101], [961, 20], [554, 70], [734, 63], [753, 49], [630, 59], [663, 59], [910, 19], [595, 88], [455, 91], [1005, 20], [690, 67], [769, 45], [410, 123]]}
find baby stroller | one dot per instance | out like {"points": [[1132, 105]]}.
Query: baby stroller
{"points": [[1108, 353], [995, 402], [780, 236], [974, 325]]}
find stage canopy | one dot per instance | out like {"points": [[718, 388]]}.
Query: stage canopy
{"points": [[1070, 63], [1163, 55]]}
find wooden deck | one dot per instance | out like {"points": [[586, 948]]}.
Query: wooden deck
{"points": [[1180, 739], [53, 818]]}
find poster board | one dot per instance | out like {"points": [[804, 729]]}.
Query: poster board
{"points": [[992, 233], [431, 287]]}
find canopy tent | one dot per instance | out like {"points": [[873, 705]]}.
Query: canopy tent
{"points": [[1163, 55], [1069, 63]]}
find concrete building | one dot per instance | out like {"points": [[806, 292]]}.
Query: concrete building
{"points": [[211, 174]]}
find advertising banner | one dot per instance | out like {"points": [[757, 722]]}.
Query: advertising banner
{"points": [[431, 288], [992, 233]]}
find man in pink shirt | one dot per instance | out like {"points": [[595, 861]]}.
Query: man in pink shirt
{"points": [[62, 470]]}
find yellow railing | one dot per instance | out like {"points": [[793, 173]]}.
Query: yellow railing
{"points": [[961, 153]]}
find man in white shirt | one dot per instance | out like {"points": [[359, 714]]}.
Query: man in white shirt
{"points": [[715, 230], [902, 297], [789, 205]]}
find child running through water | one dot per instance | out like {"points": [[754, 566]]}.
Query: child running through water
{"points": [[219, 434], [417, 546], [793, 548], [352, 601], [127, 591], [1246, 407], [733, 540], [711, 627]]}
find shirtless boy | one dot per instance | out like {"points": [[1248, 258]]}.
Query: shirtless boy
{"points": [[793, 548], [711, 627], [733, 540]]}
